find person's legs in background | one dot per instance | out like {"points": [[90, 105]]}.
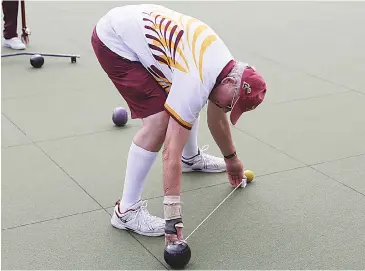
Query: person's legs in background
{"points": [[11, 40]]}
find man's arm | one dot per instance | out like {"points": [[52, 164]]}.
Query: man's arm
{"points": [[176, 137], [219, 127], [175, 140]]}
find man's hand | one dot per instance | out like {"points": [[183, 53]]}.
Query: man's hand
{"points": [[171, 237], [234, 170]]}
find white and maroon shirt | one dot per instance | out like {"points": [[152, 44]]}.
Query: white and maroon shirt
{"points": [[184, 55]]}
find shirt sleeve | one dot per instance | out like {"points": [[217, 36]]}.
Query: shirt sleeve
{"points": [[186, 99]]}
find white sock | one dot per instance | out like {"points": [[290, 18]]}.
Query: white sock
{"points": [[191, 147], [139, 164]]}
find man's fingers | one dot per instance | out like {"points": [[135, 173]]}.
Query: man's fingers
{"points": [[170, 238], [179, 233], [231, 180], [235, 180], [238, 181]]}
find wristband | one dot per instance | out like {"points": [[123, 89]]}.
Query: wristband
{"points": [[172, 207], [230, 156]]}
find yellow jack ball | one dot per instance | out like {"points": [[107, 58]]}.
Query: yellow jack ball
{"points": [[249, 175]]}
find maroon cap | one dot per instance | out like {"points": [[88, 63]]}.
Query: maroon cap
{"points": [[252, 93]]}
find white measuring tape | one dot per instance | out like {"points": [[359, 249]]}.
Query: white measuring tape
{"points": [[242, 184]]}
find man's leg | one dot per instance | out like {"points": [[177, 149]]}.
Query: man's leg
{"points": [[194, 159], [191, 147], [142, 155], [146, 100], [130, 213], [10, 10]]}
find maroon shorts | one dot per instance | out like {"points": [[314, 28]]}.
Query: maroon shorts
{"points": [[137, 86]]}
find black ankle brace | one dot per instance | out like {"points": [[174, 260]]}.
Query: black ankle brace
{"points": [[170, 225]]}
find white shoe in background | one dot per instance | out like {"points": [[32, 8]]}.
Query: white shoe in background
{"points": [[14, 43]]}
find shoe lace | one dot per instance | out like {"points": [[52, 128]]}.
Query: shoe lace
{"points": [[204, 148], [146, 216]]}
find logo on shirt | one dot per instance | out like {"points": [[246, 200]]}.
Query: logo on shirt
{"points": [[164, 39], [166, 33]]}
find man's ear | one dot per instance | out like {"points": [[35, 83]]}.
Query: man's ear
{"points": [[228, 80]]}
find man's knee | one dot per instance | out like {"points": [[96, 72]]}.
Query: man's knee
{"points": [[157, 125]]}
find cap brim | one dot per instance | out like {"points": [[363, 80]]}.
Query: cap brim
{"points": [[235, 114]]}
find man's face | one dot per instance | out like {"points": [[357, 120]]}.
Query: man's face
{"points": [[228, 95]]}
